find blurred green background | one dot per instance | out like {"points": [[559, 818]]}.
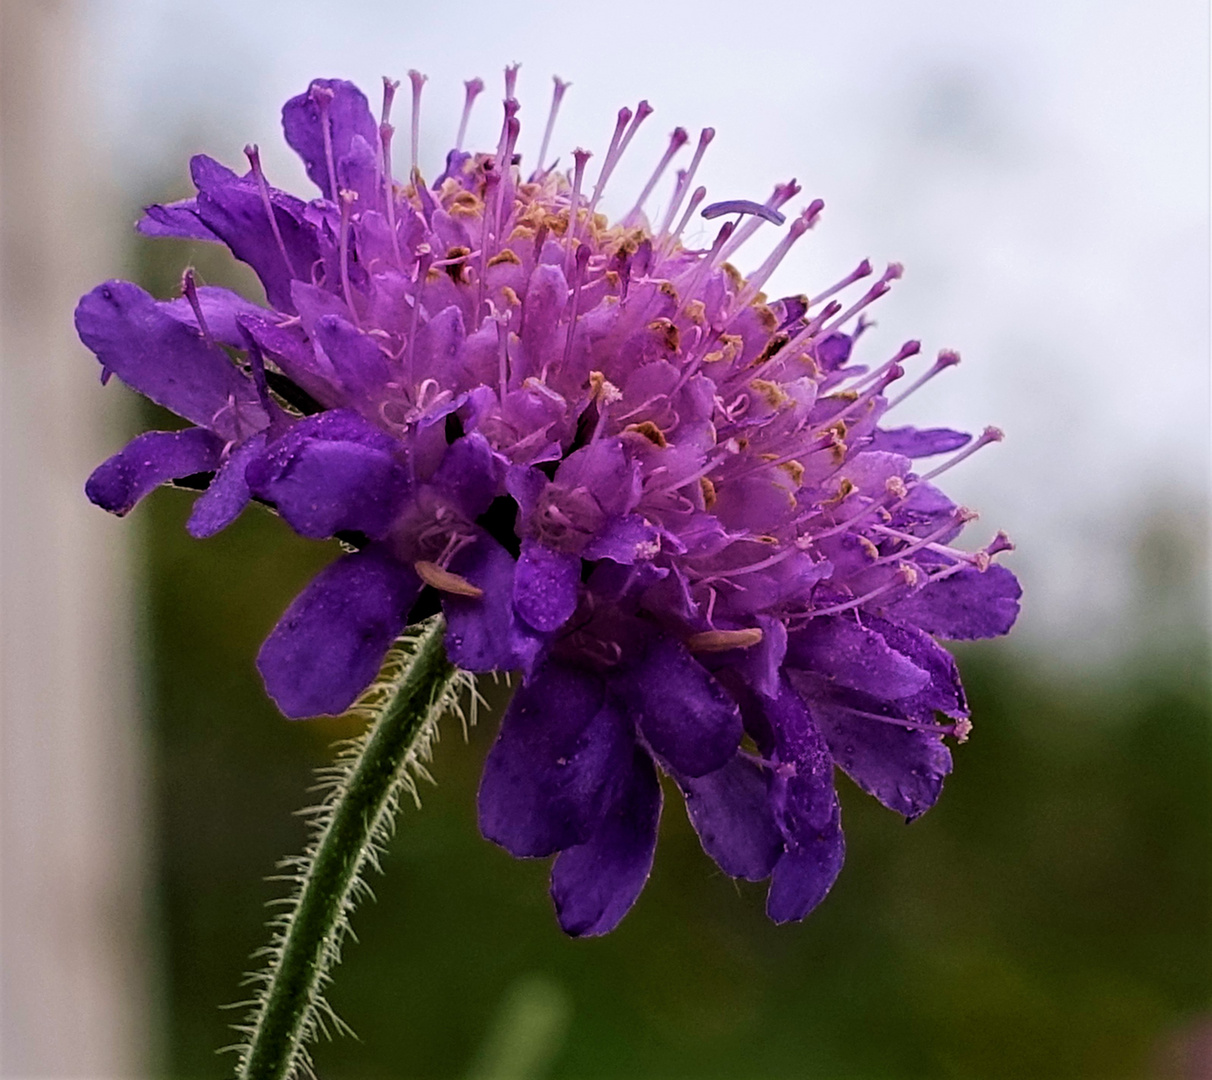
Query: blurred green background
{"points": [[1049, 918]]}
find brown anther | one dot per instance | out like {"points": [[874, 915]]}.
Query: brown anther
{"points": [[505, 256], [696, 312], [868, 547], [774, 394], [456, 264], [908, 573], [708, 492], [734, 276], [465, 204], [670, 338], [511, 297], [768, 319], [772, 347], [795, 470], [444, 581], [844, 490], [666, 288], [723, 640], [650, 432]]}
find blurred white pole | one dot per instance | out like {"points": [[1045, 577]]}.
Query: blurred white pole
{"points": [[73, 976]]}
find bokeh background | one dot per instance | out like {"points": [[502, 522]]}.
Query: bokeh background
{"points": [[1041, 169]]}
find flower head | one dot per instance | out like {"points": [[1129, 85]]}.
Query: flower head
{"points": [[671, 502]]}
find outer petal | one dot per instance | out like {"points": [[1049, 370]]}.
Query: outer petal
{"points": [[545, 586], [331, 642], [348, 116], [332, 472], [232, 208], [626, 540], [884, 752], [944, 691], [220, 504], [153, 458], [356, 358], [178, 220], [844, 652], [807, 871], [470, 475], [135, 337], [561, 754], [965, 606], [484, 633], [918, 443], [687, 717], [730, 810], [595, 884]]}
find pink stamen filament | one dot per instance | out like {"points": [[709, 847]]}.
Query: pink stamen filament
{"points": [[857, 274], [677, 140], [322, 96], [705, 137], [557, 96], [760, 276], [989, 435], [869, 297], [424, 261], [190, 289], [254, 160], [347, 199], [582, 260], [579, 157], [418, 81], [947, 358], [474, 88]]}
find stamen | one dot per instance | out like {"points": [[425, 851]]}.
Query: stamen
{"points": [[743, 206], [705, 264], [557, 96], [347, 199], [907, 576], [386, 131], [700, 193], [254, 160], [474, 88], [723, 640], [503, 357], [418, 81], [323, 96], [989, 435], [959, 729], [892, 273], [578, 277], [579, 158], [961, 516], [760, 276], [190, 290], [947, 358], [642, 112], [857, 274], [783, 193], [620, 129], [424, 262], [684, 182], [677, 140], [444, 580]]}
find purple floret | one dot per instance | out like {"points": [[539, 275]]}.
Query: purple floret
{"points": [[671, 504]]}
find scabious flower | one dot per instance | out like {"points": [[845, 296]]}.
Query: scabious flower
{"points": [[671, 503]]}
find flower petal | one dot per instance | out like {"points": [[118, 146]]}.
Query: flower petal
{"points": [[220, 504], [595, 884], [730, 810], [136, 338], [333, 472], [484, 633], [330, 643], [232, 208], [177, 220], [561, 754], [153, 458], [545, 586], [965, 606], [842, 651], [470, 475], [348, 116], [806, 872], [687, 717]]}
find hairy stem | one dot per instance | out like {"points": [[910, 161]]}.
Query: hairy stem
{"points": [[417, 685]]}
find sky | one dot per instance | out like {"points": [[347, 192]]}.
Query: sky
{"points": [[1040, 168]]}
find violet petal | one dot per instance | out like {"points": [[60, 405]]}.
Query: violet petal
{"points": [[595, 884], [842, 651], [730, 810], [149, 460], [221, 503], [545, 586], [805, 873], [965, 606], [330, 643], [561, 753]]}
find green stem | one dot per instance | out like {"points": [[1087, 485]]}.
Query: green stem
{"points": [[361, 809]]}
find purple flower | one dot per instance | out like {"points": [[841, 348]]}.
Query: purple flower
{"points": [[670, 501]]}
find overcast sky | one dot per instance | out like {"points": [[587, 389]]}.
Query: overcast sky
{"points": [[1040, 167]]}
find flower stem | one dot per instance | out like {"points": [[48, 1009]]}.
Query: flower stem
{"points": [[416, 687]]}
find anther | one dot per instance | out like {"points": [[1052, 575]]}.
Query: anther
{"points": [[474, 88], [557, 96], [723, 640], [444, 580]]}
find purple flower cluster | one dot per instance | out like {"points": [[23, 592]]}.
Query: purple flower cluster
{"points": [[620, 468]]}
